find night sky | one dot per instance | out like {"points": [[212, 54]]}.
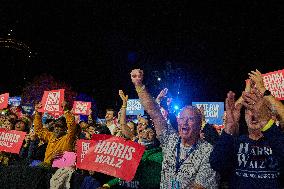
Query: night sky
{"points": [[93, 45]]}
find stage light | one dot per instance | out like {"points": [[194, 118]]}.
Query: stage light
{"points": [[159, 79], [176, 107]]}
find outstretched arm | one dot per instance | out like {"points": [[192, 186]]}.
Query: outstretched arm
{"points": [[41, 132], [70, 121], [151, 107], [232, 114], [161, 95], [124, 128]]}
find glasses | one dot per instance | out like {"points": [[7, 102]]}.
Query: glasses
{"points": [[185, 120]]}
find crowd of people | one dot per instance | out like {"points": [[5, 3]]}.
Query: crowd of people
{"points": [[182, 151]]}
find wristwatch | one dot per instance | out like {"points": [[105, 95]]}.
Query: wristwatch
{"points": [[266, 93]]}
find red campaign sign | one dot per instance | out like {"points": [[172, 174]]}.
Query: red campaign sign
{"points": [[52, 101], [11, 140], [4, 100], [274, 82], [109, 155], [56, 115], [82, 108]]}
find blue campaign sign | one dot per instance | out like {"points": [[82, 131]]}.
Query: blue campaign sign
{"points": [[213, 111], [134, 107], [14, 101], [28, 109]]}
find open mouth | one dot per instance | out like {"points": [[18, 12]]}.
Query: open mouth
{"points": [[253, 120]]}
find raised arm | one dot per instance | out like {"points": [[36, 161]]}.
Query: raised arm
{"points": [[161, 95], [151, 107], [247, 89], [124, 128], [41, 132], [225, 144], [233, 112], [71, 125], [276, 105]]}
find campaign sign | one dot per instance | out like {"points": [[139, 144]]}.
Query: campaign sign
{"points": [[82, 108], [4, 101], [274, 82], [28, 109], [67, 160], [56, 115], [110, 155], [52, 101], [15, 101], [11, 140], [134, 107], [213, 111]]}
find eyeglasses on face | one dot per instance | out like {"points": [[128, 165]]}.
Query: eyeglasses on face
{"points": [[185, 120]]}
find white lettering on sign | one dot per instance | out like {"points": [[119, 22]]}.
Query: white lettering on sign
{"points": [[52, 101], [81, 107], [85, 149], [2, 98], [9, 137], [109, 160], [210, 110], [114, 149], [275, 84], [133, 105]]}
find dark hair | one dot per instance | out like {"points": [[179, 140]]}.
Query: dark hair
{"points": [[111, 109], [49, 120], [25, 123], [102, 129], [135, 126], [60, 122]]}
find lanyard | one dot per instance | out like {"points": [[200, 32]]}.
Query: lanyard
{"points": [[178, 161]]}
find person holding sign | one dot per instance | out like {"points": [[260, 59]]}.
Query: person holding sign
{"points": [[253, 160], [60, 139], [185, 156]]}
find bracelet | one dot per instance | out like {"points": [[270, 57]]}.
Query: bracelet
{"points": [[106, 186], [140, 89], [123, 106]]}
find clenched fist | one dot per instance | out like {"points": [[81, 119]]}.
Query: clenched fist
{"points": [[137, 77]]}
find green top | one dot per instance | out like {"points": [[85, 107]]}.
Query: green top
{"points": [[149, 170]]}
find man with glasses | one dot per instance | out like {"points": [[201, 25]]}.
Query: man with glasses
{"points": [[185, 156]]}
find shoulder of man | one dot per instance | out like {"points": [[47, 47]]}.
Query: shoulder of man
{"points": [[204, 146]]}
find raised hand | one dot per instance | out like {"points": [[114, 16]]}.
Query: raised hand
{"points": [[137, 77], [256, 77], [64, 104], [232, 114], [253, 100], [162, 95], [123, 97], [258, 112], [38, 106]]}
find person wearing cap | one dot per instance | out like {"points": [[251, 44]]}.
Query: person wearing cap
{"points": [[61, 139]]}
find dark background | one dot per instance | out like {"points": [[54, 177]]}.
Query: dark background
{"points": [[93, 45]]}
